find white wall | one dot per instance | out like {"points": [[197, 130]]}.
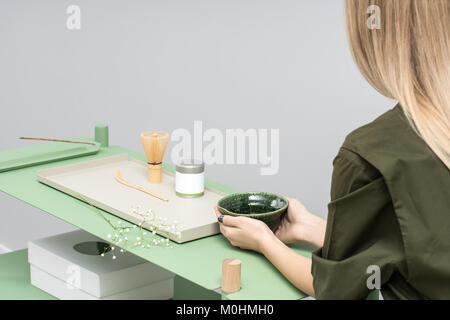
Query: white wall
{"points": [[141, 65]]}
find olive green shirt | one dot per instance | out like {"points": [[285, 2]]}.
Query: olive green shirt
{"points": [[390, 208]]}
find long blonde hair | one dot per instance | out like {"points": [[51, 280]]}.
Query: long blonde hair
{"points": [[407, 58]]}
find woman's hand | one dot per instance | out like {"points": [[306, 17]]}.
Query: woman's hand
{"points": [[252, 234], [301, 225], [246, 233]]}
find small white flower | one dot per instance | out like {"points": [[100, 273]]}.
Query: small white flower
{"points": [[114, 257]]}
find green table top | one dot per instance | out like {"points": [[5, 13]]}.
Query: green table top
{"points": [[15, 278], [198, 261]]}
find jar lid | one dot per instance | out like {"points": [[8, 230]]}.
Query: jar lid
{"points": [[190, 166]]}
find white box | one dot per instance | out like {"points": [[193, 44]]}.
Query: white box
{"points": [[95, 275], [161, 290]]}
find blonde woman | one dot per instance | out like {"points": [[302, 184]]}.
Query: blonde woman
{"points": [[390, 193]]}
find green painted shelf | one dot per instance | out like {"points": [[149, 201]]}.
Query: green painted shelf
{"points": [[15, 278], [197, 261], [15, 282]]}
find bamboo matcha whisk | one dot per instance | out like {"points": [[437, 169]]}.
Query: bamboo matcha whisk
{"points": [[155, 143]]}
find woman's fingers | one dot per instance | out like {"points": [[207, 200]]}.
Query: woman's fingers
{"points": [[281, 232], [228, 232], [230, 221], [224, 230], [227, 220]]}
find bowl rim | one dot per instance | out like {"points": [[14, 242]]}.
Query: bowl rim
{"points": [[252, 215]]}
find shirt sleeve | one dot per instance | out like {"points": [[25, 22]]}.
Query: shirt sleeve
{"points": [[362, 232]]}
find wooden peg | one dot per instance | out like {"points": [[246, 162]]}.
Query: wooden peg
{"points": [[231, 275]]}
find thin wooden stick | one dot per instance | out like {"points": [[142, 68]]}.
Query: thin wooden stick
{"points": [[57, 140], [119, 178]]}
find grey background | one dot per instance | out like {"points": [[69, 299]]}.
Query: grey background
{"points": [[142, 65]]}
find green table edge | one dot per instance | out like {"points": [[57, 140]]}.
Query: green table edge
{"points": [[284, 290], [15, 278]]}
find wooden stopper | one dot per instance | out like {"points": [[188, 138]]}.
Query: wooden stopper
{"points": [[231, 275], [154, 173]]}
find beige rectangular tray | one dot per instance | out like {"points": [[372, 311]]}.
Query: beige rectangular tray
{"points": [[94, 182]]}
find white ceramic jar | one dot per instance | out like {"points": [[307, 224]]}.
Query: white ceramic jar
{"points": [[190, 178]]}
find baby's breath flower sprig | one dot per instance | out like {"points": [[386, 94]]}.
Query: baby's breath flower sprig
{"points": [[128, 235]]}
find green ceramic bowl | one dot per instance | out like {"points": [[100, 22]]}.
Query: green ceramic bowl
{"points": [[263, 206]]}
